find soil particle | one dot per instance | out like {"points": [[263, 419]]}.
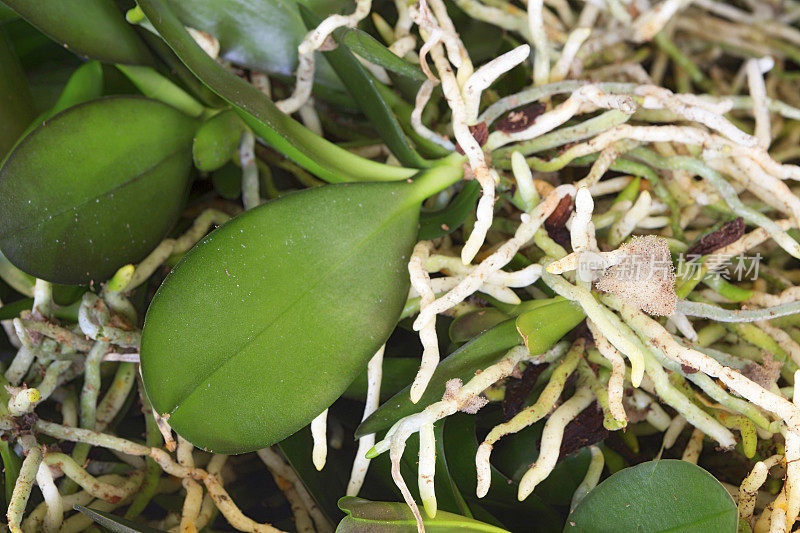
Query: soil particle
{"points": [[518, 390], [584, 430]]}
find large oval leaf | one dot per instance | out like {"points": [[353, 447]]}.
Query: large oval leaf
{"points": [[391, 517], [93, 188], [555, 318], [93, 28], [16, 102], [266, 321], [667, 495]]}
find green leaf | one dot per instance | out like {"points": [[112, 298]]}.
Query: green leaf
{"points": [[362, 87], [667, 495], [11, 464], [216, 141], [262, 35], [13, 309], [85, 84], [283, 133], [227, 181], [556, 319], [115, 524], [397, 372], [435, 224], [94, 188], [392, 517], [311, 285], [16, 102], [92, 28], [469, 325], [365, 45], [154, 85], [327, 485]]}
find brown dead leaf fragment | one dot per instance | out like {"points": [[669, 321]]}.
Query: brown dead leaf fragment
{"points": [[730, 232], [480, 132], [645, 277], [521, 118], [584, 430], [556, 223]]}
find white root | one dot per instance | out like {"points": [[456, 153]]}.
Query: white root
{"points": [[674, 430], [625, 225], [420, 281], [306, 49], [591, 478], [755, 69], [565, 61], [530, 224], [319, 428], [582, 232], [694, 447], [482, 78], [541, 58], [427, 468], [551, 440], [423, 95], [361, 462], [524, 178], [616, 381]]}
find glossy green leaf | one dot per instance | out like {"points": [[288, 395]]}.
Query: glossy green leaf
{"points": [[16, 103], [362, 87], [392, 517], [216, 141], [260, 34], [326, 486], [556, 320], [227, 181], [667, 495], [435, 224], [286, 135], [94, 188], [155, 86], [115, 524], [396, 374], [92, 28], [461, 445], [311, 285], [11, 464], [13, 309], [85, 84], [365, 45], [469, 325]]}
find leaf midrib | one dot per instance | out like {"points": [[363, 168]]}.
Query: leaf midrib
{"points": [[238, 351]]}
